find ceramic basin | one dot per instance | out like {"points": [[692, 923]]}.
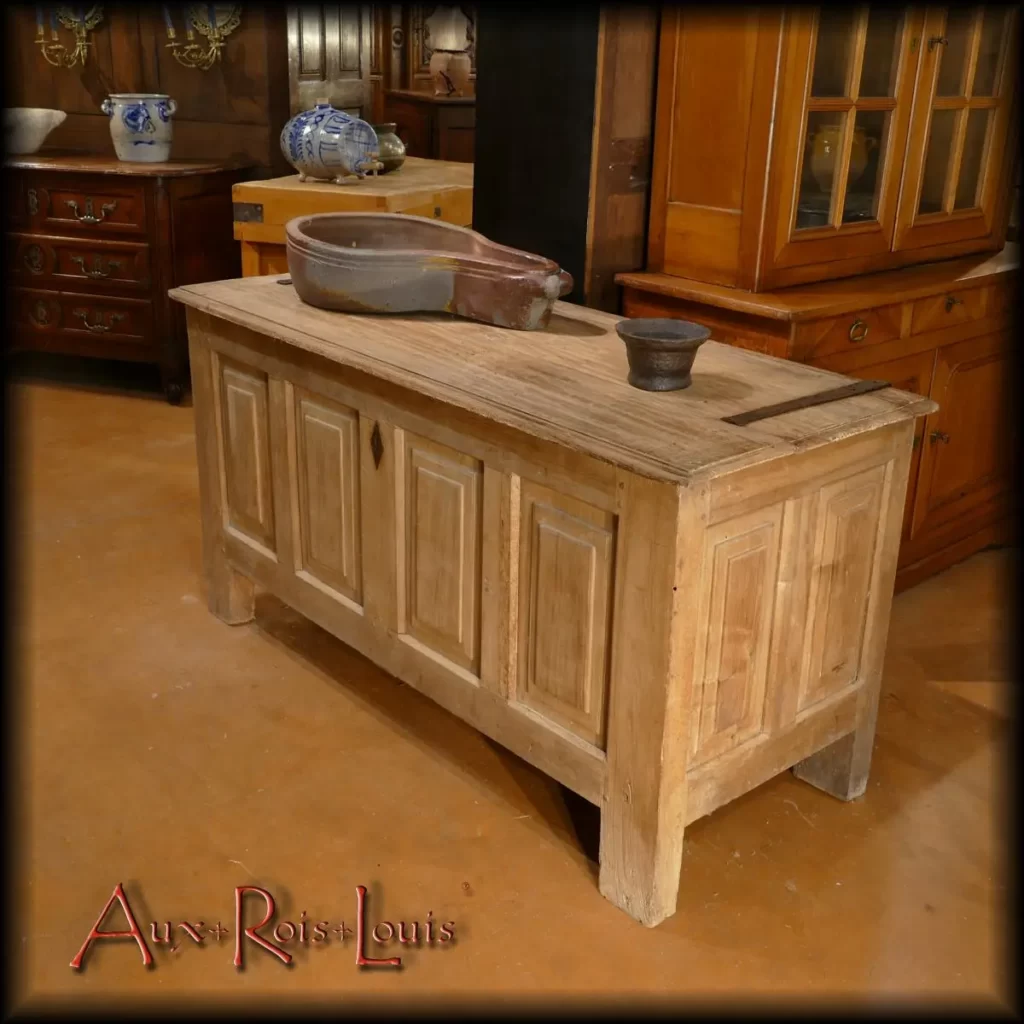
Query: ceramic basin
{"points": [[26, 128], [396, 263]]}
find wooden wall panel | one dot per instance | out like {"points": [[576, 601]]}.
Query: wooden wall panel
{"points": [[232, 112], [330, 56]]}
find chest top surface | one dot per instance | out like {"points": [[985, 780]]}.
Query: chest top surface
{"points": [[567, 384]]}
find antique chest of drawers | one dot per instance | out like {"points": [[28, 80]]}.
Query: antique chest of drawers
{"points": [[94, 244], [657, 608]]}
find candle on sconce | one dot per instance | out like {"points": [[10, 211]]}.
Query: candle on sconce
{"points": [[53, 24], [170, 24], [39, 22], [211, 15]]}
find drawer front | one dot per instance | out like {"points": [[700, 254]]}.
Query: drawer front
{"points": [[849, 332], [949, 309], [109, 319], [1002, 299], [71, 263], [100, 209]]}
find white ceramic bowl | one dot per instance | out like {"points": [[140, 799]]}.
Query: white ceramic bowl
{"points": [[26, 128]]}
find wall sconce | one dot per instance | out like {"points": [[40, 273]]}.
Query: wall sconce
{"points": [[80, 21], [214, 21]]}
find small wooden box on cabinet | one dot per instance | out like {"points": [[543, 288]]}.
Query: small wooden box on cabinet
{"points": [[94, 244], [658, 609], [794, 145]]}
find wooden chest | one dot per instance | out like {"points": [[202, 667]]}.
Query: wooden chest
{"points": [[424, 188], [93, 245], [656, 608]]}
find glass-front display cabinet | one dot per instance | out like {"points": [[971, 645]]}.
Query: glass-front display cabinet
{"points": [[795, 145]]}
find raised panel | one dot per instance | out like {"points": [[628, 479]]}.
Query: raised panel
{"points": [[245, 454], [966, 443], [327, 492], [845, 538], [735, 622], [442, 528], [566, 552]]}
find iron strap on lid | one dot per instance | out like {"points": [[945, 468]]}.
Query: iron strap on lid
{"points": [[861, 387]]}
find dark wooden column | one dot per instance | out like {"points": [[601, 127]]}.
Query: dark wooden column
{"points": [[563, 139]]}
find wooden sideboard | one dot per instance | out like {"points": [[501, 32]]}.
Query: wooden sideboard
{"points": [[438, 127], [93, 245], [424, 188], [943, 330], [659, 609]]}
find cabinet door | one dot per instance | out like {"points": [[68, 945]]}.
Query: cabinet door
{"points": [[846, 85], [965, 450], [329, 56], [956, 180]]}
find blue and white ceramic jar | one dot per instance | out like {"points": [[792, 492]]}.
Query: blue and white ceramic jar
{"points": [[326, 144], [140, 125]]}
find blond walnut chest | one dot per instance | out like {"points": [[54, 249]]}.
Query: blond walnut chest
{"points": [[656, 608]]}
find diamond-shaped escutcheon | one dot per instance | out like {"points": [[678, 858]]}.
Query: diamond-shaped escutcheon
{"points": [[376, 445]]}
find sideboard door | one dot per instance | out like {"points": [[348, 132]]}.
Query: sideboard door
{"points": [[965, 452]]}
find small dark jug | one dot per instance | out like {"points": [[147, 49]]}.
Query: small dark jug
{"points": [[661, 351]]}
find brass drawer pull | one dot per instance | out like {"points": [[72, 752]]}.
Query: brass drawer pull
{"points": [[951, 301], [938, 435], [89, 217], [112, 318], [97, 266], [858, 330]]}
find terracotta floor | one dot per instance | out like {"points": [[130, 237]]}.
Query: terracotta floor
{"points": [[184, 757]]}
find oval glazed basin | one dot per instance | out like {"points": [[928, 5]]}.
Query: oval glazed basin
{"points": [[397, 263]]}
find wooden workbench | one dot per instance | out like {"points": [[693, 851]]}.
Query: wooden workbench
{"points": [[426, 188], [656, 608]]}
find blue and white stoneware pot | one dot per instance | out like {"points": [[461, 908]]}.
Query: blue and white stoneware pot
{"points": [[140, 125], [326, 144]]}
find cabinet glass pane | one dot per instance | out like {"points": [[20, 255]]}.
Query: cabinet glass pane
{"points": [[992, 35], [822, 145], [971, 161], [953, 53], [864, 179], [833, 51], [881, 52], [936, 161]]}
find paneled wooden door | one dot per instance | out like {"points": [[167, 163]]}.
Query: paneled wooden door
{"points": [[845, 96], [329, 56], [965, 458], [956, 182]]}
